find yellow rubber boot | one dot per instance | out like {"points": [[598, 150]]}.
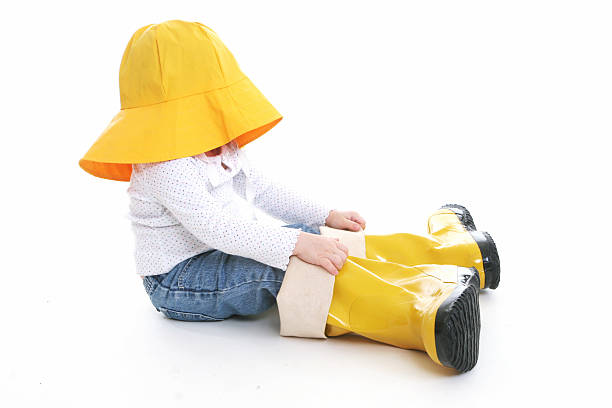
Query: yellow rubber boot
{"points": [[453, 223], [433, 308], [452, 240]]}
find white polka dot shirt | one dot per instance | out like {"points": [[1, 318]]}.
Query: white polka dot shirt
{"points": [[180, 208]]}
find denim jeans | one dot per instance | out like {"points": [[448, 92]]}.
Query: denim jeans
{"points": [[214, 285]]}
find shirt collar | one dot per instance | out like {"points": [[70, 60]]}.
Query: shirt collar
{"points": [[227, 151], [231, 156]]}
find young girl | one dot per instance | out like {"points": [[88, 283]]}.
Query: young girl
{"points": [[187, 110], [199, 247]]}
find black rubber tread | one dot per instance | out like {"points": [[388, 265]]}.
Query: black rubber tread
{"points": [[457, 326], [463, 214]]}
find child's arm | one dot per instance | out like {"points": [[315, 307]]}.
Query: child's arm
{"points": [[279, 200], [179, 187]]}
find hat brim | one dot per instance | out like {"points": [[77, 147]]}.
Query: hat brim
{"points": [[180, 128]]}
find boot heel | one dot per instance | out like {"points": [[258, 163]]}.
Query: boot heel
{"points": [[457, 326], [490, 258]]}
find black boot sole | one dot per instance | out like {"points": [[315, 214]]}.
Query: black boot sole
{"points": [[490, 258], [457, 326], [488, 249]]}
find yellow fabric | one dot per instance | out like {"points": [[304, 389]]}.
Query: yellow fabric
{"points": [[451, 245], [391, 303], [445, 226], [182, 93]]}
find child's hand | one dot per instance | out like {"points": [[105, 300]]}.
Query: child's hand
{"points": [[346, 220], [326, 252]]}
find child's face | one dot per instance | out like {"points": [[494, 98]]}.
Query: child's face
{"points": [[217, 151], [214, 152]]}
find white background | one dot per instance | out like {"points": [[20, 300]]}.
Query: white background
{"points": [[391, 109]]}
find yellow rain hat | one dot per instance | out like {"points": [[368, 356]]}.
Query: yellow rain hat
{"points": [[182, 94]]}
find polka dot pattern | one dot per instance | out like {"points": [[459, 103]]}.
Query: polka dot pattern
{"points": [[280, 201], [180, 208]]}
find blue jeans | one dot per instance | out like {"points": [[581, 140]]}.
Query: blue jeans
{"points": [[214, 285]]}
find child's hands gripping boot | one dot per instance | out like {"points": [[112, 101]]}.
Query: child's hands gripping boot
{"points": [[326, 252]]}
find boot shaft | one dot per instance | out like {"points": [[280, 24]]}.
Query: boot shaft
{"points": [[452, 239], [399, 305]]}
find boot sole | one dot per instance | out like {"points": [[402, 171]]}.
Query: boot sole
{"points": [[486, 245], [490, 258], [457, 326]]}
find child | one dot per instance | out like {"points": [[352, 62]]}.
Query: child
{"points": [[196, 233], [186, 112]]}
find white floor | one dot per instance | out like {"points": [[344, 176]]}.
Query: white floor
{"points": [[100, 353], [85, 334], [391, 109]]}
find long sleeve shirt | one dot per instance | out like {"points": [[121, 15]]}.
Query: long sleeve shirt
{"points": [[180, 208]]}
